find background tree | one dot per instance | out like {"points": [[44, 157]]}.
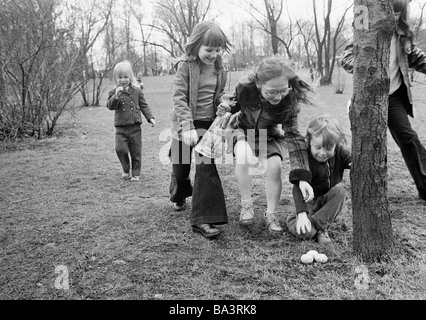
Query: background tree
{"points": [[327, 40], [306, 30], [418, 23], [243, 38], [91, 19], [269, 22], [44, 70], [145, 34], [177, 18], [373, 239]]}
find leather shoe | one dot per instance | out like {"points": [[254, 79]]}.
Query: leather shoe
{"points": [[207, 230]]}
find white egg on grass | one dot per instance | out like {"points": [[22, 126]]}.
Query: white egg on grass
{"points": [[306, 258], [320, 257], [312, 253]]}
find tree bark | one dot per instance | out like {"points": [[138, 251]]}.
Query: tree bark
{"points": [[372, 229]]}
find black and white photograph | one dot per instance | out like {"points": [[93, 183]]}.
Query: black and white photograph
{"points": [[213, 158]]}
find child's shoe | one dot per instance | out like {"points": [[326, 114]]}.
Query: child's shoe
{"points": [[247, 213], [179, 206], [135, 179], [125, 176], [323, 237], [207, 230], [272, 224]]}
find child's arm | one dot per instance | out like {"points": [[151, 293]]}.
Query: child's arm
{"points": [[346, 157], [113, 102], [417, 59], [180, 96], [303, 224], [307, 191], [146, 111], [297, 150], [181, 106]]}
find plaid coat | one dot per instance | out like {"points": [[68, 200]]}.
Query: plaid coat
{"points": [[256, 113], [409, 56]]}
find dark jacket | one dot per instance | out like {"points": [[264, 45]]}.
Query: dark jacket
{"points": [[257, 113], [185, 93], [325, 175], [128, 107], [409, 56]]}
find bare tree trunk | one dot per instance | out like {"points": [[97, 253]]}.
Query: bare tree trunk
{"points": [[2, 87], [373, 239], [2, 76]]}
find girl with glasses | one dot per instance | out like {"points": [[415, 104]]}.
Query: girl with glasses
{"points": [[267, 99]]}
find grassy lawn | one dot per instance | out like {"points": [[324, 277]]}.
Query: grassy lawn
{"points": [[63, 206]]}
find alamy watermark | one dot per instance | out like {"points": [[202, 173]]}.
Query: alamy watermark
{"points": [[220, 149], [362, 278], [361, 17], [62, 280]]}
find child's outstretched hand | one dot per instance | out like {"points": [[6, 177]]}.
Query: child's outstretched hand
{"points": [[303, 224], [152, 122], [307, 191]]}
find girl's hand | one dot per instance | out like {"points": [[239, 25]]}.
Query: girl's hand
{"points": [[277, 131], [222, 109], [152, 122], [118, 91], [225, 105], [190, 137], [307, 191], [303, 224]]}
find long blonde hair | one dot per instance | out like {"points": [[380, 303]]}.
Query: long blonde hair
{"points": [[124, 68]]}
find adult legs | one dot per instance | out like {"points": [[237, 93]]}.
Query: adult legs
{"points": [[412, 150]]}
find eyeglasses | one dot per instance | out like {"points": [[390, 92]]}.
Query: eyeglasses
{"points": [[273, 93]]}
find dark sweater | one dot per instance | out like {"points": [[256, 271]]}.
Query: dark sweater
{"points": [[325, 175]]}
